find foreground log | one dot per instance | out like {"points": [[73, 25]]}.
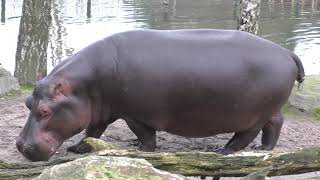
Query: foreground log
{"points": [[189, 163], [16, 170], [213, 164]]}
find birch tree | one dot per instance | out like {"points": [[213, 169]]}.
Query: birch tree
{"points": [[249, 15], [31, 54]]}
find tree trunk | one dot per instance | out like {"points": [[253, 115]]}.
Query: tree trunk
{"points": [[189, 163], [3, 11], [31, 55], [88, 9], [249, 15]]}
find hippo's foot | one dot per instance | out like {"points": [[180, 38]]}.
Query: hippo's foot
{"points": [[80, 148], [224, 151], [147, 148], [239, 141], [145, 134], [144, 147], [262, 147], [213, 178]]}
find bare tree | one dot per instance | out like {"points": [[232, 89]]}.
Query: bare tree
{"points": [[31, 55], [3, 11], [89, 9]]}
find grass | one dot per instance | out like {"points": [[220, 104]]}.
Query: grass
{"points": [[306, 99], [24, 90], [291, 112], [316, 113]]}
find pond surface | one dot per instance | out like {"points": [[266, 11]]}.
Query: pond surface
{"points": [[294, 24]]}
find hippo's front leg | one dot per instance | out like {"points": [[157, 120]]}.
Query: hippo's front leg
{"points": [[93, 130], [145, 134]]}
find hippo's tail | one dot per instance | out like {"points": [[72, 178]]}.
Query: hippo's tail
{"points": [[300, 77]]}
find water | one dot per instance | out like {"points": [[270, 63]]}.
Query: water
{"points": [[294, 24]]}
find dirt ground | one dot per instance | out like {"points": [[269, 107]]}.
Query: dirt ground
{"points": [[296, 134]]}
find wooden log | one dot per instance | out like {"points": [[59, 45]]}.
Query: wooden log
{"points": [[17, 170], [213, 164], [188, 163]]}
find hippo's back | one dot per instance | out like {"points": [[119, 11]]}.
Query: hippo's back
{"points": [[209, 81]]}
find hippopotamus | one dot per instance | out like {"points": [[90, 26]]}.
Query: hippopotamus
{"points": [[192, 83]]}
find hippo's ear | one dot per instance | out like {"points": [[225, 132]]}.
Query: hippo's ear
{"points": [[62, 87]]}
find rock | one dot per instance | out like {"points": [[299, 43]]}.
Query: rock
{"points": [[109, 168], [307, 99], [258, 175], [7, 81]]}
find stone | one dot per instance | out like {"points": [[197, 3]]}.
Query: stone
{"points": [[258, 175], [7, 81], [106, 168]]}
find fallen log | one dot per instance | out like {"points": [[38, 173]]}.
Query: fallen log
{"points": [[213, 164], [187, 163], [16, 170]]}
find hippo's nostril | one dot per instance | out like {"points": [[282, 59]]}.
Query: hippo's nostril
{"points": [[31, 152], [26, 149]]}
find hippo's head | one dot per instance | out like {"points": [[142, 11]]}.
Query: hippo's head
{"points": [[56, 114]]}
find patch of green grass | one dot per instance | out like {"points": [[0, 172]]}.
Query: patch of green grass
{"points": [[11, 94], [316, 113], [26, 89], [291, 112], [110, 175]]}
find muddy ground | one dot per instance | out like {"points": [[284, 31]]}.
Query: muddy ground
{"points": [[296, 133]]}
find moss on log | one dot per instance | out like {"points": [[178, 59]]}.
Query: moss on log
{"points": [[187, 163]]}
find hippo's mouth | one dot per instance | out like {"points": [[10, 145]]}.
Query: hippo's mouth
{"points": [[49, 148], [45, 147], [36, 154]]}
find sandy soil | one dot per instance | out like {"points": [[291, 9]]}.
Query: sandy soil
{"points": [[296, 134]]}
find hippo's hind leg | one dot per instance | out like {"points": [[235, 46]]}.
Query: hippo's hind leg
{"points": [[145, 134], [239, 141], [93, 130], [271, 132]]}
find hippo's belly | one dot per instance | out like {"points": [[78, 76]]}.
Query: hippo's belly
{"points": [[199, 109], [203, 124], [190, 85]]}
